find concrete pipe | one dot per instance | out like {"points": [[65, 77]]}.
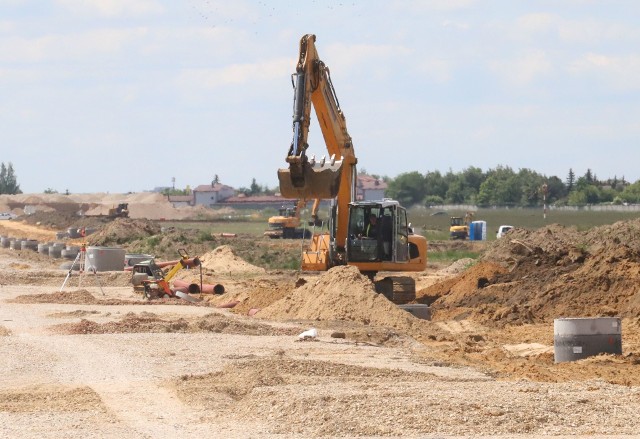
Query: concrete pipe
{"points": [[577, 338], [68, 254], [29, 244]]}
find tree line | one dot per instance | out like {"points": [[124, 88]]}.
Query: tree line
{"points": [[503, 186]]}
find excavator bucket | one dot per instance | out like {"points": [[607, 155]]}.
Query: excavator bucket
{"points": [[310, 179]]}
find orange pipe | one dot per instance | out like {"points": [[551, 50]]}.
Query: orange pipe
{"points": [[195, 288]]}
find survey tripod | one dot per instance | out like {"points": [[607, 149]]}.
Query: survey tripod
{"points": [[80, 263]]}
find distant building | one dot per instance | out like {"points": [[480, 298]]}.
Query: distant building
{"points": [[180, 200], [211, 194], [369, 188]]}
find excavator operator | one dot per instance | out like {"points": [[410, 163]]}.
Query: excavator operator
{"points": [[371, 231]]}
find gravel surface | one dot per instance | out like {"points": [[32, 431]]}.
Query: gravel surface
{"points": [[111, 365]]}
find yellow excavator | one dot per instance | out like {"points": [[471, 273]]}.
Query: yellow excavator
{"points": [[287, 224], [459, 227], [395, 248]]}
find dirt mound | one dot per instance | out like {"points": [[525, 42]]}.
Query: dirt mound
{"points": [[123, 230], [149, 322], [553, 272], [46, 398], [254, 294], [84, 297], [79, 297], [223, 260], [342, 293]]}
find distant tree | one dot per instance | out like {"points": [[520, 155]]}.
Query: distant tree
{"points": [[588, 176], [408, 188], [501, 188], [8, 181], [631, 193], [435, 185], [556, 189], [571, 180], [50, 191], [215, 180], [255, 188]]}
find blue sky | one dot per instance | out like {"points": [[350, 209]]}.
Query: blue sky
{"points": [[125, 95]]}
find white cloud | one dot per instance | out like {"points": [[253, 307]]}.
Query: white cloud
{"points": [[525, 69], [113, 8], [68, 47], [618, 72], [433, 5], [344, 56], [7, 26], [235, 74], [455, 25], [439, 70], [584, 31]]}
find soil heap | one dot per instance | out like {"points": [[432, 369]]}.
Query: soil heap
{"points": [[553, 272], [342, 293], [223, 260], [123, 231]]}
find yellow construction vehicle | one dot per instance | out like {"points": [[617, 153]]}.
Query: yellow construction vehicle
{"points": [[395, 248], [459, 226], [287, 224], [120, 211]]}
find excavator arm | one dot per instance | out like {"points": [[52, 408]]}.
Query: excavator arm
{"points": [[308, 177]]}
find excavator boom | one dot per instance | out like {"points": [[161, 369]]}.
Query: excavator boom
{"points": [[311, 177]]}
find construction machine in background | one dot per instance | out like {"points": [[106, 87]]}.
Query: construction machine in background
{"points": [[120, 211], [459, 226], [152, 281], [288, 224], [395, 248]]}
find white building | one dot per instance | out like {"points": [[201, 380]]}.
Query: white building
{"points": [[369, 188], [210, 194]]}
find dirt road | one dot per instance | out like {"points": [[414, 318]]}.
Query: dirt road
{"points": [[20, 228]]}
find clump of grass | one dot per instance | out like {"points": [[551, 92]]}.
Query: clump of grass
{"points": [[451, 255]]}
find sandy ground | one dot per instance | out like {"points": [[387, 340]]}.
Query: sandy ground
{"points": [[99, 362], [96, 360]]}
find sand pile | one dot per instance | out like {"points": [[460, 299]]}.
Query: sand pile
{"points": [[342, 293], [223, 260], [122, 231], [553, 272], [150, 322]]}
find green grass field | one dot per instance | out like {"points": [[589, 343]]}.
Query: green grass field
{"points": [[435, 227]]}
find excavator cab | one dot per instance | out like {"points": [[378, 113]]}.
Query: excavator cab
{"points": [[378, 231]]}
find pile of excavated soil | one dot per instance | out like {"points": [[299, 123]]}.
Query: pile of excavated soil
{"points": [[84, 297], [223, 260], [256, 294], [122, 231], [342, 293], [549, 273], [146, 322]]}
